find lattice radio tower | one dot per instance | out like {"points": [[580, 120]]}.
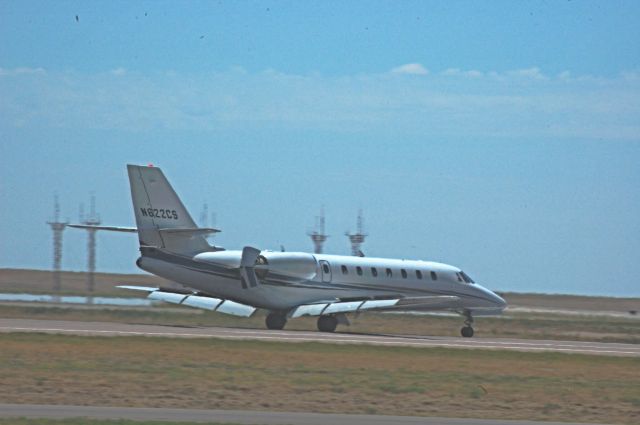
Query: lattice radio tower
{"points": [[58, 227], [357, 239], [93, 219], [317, 235], [206, 219]]}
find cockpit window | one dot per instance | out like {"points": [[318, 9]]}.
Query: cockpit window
{"points": [[466, 278], [459, 277]]}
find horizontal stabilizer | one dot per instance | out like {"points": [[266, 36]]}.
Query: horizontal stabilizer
{"points": [[185, 231], [195, 300], [108, 228], [437, 302], [190, 230]]}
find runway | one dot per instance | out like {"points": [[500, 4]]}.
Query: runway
{"points": [[239, 417], [123, 329]]}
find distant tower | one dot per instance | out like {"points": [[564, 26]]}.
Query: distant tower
{"points": [[58, 227], [206, 219], [204, 215], [357, 239], [92, 219], [317, 234]]}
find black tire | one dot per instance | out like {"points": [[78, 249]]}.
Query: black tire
{"points": [[466, 332], [275, 321], [327, 323]]}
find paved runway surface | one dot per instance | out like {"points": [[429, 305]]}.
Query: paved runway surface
{"points": [[239, 417], [113, 329]]}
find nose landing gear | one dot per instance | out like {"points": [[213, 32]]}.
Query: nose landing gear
{"points": [[467, 330]]}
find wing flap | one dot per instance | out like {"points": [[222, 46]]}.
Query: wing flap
{"points": [[373, 304], [308, 310], [437, 302], [235, 309], [205, 303], [196, 301], [344, 307], [168, 297]]}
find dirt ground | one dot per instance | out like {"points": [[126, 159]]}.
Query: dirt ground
{"points": [[217, 374]]}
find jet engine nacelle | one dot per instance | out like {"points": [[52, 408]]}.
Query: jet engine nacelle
{"points": [[291, 264]]}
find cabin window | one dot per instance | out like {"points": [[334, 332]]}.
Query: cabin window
{"points": [[434, 276], [359, 270], [403, 272], [389, 273], [374, 272], [325, 268], [466, 277], [418, 274], [344, 269]]}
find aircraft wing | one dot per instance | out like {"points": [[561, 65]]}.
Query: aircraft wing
{"points": [[195, 300], [438, 302]]}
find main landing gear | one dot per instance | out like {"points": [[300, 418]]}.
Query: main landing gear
{"points": [[467, 330], [276, 321], [327, 323]]}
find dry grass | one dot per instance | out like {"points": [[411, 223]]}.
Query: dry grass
{"points": [[73, 283], [217, 374]]}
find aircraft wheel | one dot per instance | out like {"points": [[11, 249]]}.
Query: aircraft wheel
{"points": [[466, 332], [327, 323], [275, 321]]}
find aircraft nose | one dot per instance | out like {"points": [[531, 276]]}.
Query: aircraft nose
{"points": [[500, 302], [494, 298]]}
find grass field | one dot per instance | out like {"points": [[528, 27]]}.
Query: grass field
{"points": [[73, 283], [512, 325], [218, 374]]}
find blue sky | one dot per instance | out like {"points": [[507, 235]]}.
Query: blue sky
{"points": [[498, 136]]}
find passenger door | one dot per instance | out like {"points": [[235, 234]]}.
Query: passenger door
{"points": [[325, 270]]}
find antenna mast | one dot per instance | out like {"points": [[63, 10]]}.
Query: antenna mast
{"points": [[93, 219], [58, 227], [357, 239], [317, 235]]}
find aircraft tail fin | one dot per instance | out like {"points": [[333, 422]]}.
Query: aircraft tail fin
{"points": [[162, 219]]}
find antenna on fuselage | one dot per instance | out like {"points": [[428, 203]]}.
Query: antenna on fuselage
{"points": [[317, 235], [357, 239]]}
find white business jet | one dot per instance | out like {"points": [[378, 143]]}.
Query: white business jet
{"points": [[286, 284]]}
